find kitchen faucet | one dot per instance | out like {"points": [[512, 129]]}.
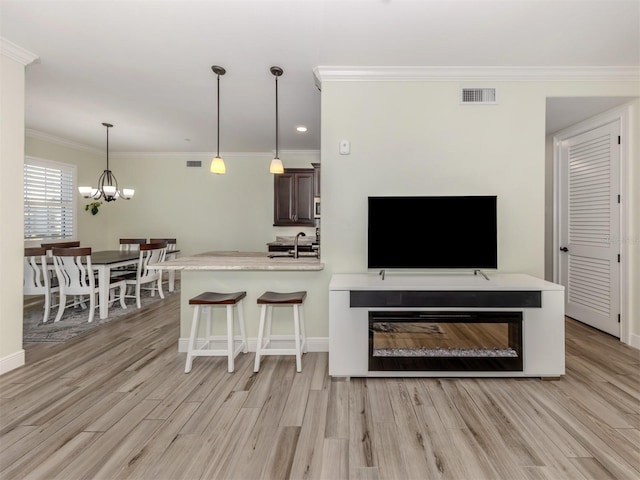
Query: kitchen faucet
{"points": [[295, 244]]}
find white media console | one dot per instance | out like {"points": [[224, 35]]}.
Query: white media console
{"points": [[357, 300]]}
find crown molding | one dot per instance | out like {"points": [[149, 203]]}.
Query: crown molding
{"points": [[508, 74], [17, 53], [206, 156], [46, 137]]}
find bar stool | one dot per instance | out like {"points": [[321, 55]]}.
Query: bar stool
{"points": [[268, 300], [208, 300]]}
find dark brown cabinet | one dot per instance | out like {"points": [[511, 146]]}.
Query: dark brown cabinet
{"points": [[293, 197]]}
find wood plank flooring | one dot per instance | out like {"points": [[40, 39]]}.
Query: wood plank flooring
{"points": [[116, 404]]}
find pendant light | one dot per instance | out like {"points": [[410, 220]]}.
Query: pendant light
{"points": [[276, 164], [217, 164], [107, 183]]}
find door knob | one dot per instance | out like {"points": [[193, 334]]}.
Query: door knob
{"points": [[564, 249]]}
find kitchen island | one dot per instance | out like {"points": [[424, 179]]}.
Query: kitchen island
{"points": [[255, 273]]}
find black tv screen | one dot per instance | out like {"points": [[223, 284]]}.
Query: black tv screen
{"points": [[432, 232]]}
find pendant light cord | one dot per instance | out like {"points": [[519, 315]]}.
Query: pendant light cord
{"points": [[218, 139], [107, 146], [277, 123]]}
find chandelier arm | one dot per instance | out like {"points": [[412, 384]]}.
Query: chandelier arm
{"points": [[109, 179]]}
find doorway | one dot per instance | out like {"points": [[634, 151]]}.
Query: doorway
{"points": [[589, 220]]}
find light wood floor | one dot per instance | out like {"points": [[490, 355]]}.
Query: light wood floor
{"points": [[116, 404]]}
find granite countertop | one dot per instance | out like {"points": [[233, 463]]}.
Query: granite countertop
{"points": [[235, 260]]}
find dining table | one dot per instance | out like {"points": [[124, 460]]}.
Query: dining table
{"points": [[103, 261]]}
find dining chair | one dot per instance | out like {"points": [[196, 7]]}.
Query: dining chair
{"points": [[37, 279], [128, 245], [76, 277], [171, 247], [51, 245], [131, 244], [150, 253], [171, 243]]}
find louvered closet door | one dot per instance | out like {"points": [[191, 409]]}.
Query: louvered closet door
{"points": [[589, 268]]}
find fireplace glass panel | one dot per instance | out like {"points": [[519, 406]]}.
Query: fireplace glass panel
{"points": [[445, 341]]}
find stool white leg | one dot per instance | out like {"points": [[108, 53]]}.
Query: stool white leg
{"points": [[243, 333], [263, 312], [230, 338], [192, 338], [296, 337], [302, 328], [207, 327], [267, 340]]}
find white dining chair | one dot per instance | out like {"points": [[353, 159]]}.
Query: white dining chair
{"points": [[76, 277], [49, 246], [37, 279], [127, 245], [150, 253], [171, 243], [168, 275], [131, 244]]}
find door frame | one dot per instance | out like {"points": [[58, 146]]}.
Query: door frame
{"points": [[624, 115]]}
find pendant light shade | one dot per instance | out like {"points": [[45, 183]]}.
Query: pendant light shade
{"points": [[217, 164], [107, 184], [276, 166]]}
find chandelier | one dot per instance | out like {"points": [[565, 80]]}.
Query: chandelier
{"points": [[107, 183]]}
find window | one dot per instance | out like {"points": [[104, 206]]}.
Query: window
{"points": [[49, 205]]}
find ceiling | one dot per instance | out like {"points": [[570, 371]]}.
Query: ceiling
{"points": [[145, 65]]}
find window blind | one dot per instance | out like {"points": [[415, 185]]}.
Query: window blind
{"points": [[49, 207]]}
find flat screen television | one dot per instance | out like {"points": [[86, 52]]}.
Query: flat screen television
{"points": [[447, 232]]}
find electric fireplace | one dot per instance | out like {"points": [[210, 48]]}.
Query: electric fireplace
{"points": [[445, 341]]}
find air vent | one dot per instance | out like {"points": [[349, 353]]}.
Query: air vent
{"points": [[478, 96], [194, 163]]}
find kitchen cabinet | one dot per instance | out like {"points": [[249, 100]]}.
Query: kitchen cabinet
{"points": [[293, 197]]}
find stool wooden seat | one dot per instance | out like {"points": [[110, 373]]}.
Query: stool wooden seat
{"points": [[268, 300], [207, 300]]}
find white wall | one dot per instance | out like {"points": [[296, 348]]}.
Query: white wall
{"points": [[414, 138], [12, 77], [203, 211]]}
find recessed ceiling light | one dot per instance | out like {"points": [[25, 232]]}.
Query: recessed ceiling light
{"points": [[301, 128]]}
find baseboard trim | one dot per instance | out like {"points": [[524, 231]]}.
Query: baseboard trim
{"points": [[634, 340], [12, 361], [314, 344]]}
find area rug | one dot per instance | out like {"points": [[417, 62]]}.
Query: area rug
{"points": [[74, 321]]}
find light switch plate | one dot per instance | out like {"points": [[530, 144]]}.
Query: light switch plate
{"points": [[345, 147]]}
